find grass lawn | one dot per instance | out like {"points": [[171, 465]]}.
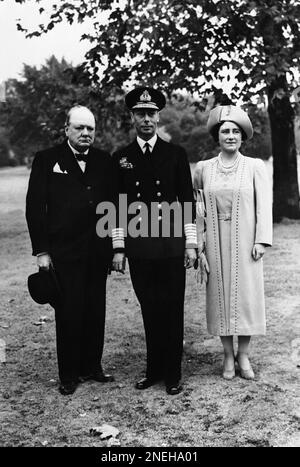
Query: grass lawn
{"points": [[210, 412]]}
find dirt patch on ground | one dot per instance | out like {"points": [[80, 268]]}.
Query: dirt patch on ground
{"points": [[210, 411]]}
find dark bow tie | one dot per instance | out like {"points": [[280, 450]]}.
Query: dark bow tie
{"points": [[81, 157]]}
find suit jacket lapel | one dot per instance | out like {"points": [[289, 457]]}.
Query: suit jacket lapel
{"points": [[137, 158], [68, 162], [157, 158], [135, 155], [92, 174], [158, 155]]}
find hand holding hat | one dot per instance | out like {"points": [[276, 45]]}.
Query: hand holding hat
{"points": [[44, 261], [44, 287]]}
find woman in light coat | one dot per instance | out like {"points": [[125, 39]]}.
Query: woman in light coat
{"points": [[237, 213]]}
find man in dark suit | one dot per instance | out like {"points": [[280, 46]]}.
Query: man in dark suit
{"points": [[154, 174], [66, 184]]}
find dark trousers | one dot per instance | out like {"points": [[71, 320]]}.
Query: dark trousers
{"points": [[159, 286], [80, 319]]}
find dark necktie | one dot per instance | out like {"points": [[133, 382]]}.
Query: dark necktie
{"points": [[81, 157], [147, 153]]}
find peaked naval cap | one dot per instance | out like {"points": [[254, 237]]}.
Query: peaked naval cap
{"points": [[145, 98]]}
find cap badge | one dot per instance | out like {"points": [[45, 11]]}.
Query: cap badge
{"points": [[145, 97], [228, 109]]}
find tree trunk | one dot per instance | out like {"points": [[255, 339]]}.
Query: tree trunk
{"points": [[286, 201]]}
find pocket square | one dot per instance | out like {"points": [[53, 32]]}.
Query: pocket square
{"points": [[58, 170]]}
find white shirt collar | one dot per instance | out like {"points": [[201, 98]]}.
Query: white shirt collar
{"points": [[74, 150], [141, 142]]}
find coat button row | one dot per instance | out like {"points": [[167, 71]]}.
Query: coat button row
{"points": [[137, 183], [138, 195]]}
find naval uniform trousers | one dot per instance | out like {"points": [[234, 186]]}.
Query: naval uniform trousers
{"points": [[159, 285]]}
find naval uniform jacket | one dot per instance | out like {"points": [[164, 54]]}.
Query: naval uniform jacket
{"points": [[164, 176], [61, 203]]}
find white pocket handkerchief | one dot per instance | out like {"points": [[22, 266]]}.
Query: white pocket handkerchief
{"points": [[58, 170]]}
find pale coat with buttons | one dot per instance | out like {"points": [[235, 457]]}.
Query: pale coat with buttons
{"points": [[251, 222]]}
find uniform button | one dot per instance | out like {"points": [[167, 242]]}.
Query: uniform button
{"points": [[91, 202], [138, 195], [139, 206], [157, 182], [140, 219], [88, 187], [159, 206], [158, 194], [137, 183], [159, 218]]}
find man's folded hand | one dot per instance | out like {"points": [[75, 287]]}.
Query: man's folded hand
{"points": [[44, 261]]}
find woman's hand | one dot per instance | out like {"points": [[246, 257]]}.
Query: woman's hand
{"points": [[204, 268], [258, 251]]}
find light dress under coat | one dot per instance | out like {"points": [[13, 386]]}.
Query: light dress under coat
{"points": [[238, 204]]}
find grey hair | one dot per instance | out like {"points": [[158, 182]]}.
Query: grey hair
{"points": [[77, 106]]}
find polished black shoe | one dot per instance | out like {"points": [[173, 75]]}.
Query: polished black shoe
{"points": [[174, 388], [145, 383], [68, 388], [98, 376]]}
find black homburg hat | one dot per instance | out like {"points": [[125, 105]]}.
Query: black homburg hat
{"points": [[44, 288]]}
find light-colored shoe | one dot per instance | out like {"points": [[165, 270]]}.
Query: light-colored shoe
{"points": [[228, 374], [245, 373]]}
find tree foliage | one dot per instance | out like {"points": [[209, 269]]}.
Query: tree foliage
{"points": [[171, 43], [36, 108], [187, 45], [4, 148], [186, 124], [35, 111]]}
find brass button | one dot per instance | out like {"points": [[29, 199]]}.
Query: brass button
{"points": [[138, 195], [157, 182], [159, 194], [137, 183]]}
